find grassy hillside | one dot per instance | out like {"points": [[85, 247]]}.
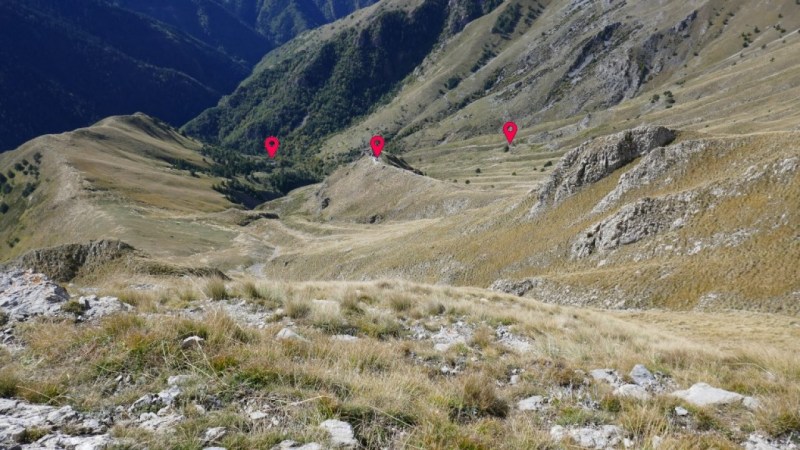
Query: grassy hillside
{"points": [[130, 177], [394, 379], [733, 244]]}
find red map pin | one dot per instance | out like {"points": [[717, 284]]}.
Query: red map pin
{"points": [[510, 130], [377, 145], [271, 144]]}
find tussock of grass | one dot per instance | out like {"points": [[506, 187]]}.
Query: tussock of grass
{"points": [[298, 308], [215, 289], [478, 399]]}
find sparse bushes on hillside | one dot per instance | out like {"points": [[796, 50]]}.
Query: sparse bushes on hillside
{"points": [[507, 20], [4, 208], [452, 82]]}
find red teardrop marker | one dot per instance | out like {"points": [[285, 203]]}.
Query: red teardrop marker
{"points": [[510, 130], [271, 144], [377, 145]]}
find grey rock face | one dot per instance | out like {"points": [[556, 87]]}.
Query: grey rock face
{"points": [[635, 222], [289, 334], [341, 433], [610, 376], [702, 394], [63, 263], [459, 333], [651, 169], [518, 288], [641, 376], [632, 391], [594, 160], [17, 416], [758, 442], [292, 445], [95, 307], [534, 403], [24, 294], [602, 437]]}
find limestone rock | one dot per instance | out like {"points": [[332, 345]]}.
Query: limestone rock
{"points": [[610, 376], [62, 263], [458, 333], [214, 434], [602, 437], [632, 391], [58, 441], [18, 416], [289, 334], [344, 338], [25, 294], [533, 403], [292, 445], [596, 159], [341, 433], [654, 166], [643, 377], [702, 394], [518, 288], [751, 403], [161, 422], [94, 307], [634, 222], [758, 442]]}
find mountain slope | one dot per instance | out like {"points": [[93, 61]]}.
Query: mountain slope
{"points": [[631, 220], [67, 64], [320, 82], [281, 20], [563, 70], [209, 22], [131, 178]]}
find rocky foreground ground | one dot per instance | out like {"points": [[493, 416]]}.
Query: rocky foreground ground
{"points": [[191, 374]]}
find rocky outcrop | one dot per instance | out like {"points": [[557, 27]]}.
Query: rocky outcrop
{"points": [[651, 169], [600, 437], [64, 262], [635, 222], [25, 294], [702, 394], [596, 159], [63, 427]]}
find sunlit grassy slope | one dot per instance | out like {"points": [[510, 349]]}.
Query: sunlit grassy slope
{"points": [[393, 386]]}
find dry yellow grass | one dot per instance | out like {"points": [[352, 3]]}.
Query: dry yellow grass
{"points": [[390, 387]]}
